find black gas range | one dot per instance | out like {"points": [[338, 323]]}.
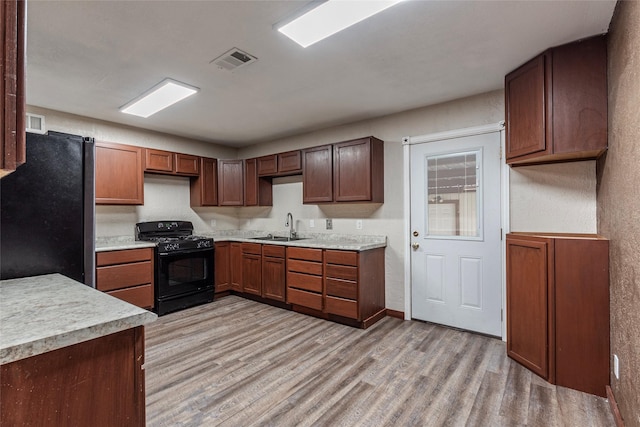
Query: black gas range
{"points": [[184, 264]]}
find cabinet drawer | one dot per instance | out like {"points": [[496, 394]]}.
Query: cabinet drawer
{"points": [[290, 162], [123, 276], [252, 248], [142, 296], [341, 257], [304, 281], [267, 165], [341, 307], [305, 253], [186, 164], [273, 251], [342, 288], [341, 272], [121, 257], [158, 160], [304, 298], [304, 267]]}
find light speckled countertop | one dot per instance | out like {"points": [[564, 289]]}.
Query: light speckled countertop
{"points": [[350, 242], [44, 313]]}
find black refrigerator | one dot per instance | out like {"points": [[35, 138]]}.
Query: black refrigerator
{"points": [[47, 210]]}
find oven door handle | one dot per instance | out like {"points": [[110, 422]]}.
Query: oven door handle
{"points": [[191, 251]]}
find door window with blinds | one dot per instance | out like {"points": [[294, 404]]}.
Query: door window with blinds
{"points": [[454, 195]]}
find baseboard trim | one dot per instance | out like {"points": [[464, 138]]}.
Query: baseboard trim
{"points": [[395, 313], [614, 408]]}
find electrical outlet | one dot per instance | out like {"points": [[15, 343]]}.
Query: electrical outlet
{"points": [[213, 222], [616, 366], [358, 224], [329, 224], [312, 223]]}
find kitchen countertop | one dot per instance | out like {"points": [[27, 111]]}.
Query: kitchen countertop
{"points": [[350, 242], [44, 313]]}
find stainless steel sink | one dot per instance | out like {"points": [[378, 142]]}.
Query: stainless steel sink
{"points": [[278, 238]]}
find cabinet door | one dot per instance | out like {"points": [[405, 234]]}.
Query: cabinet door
{"points": [[222, 273], [252, 273], [119, 174], [204, 187], [186, 164], [289, 162], [358, 171], [528, 301], [235, 263], [317, 175], [268, 165], [230, 183], [158, 161], [526, 109], [250, 182], [12, 85], [273, 278]]}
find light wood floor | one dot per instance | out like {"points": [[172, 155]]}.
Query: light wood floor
{"points": [[236, 362]]}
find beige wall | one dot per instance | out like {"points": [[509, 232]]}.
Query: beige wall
{"points": [[619, 204]]}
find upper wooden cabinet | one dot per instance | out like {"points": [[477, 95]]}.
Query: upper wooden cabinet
{"points": [[204, 187], [358, 171], [317, 176], [281, 164], [257, 190], [167, 162], [558, 308], [119, 174], [230, 182], [12, 85], [556, 105]]}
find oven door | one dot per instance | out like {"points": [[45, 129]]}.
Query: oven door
{"points": [[183, 272]]}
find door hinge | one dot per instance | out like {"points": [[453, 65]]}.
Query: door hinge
{"points": [[501, 313], [501, 234], [500, 153]]}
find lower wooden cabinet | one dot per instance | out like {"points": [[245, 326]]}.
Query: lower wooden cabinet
{"points": [[235, 266], [273, 272], [252, 268], [304, 277], [222, 281], [94, 383], [127, 275], [558, 308]]}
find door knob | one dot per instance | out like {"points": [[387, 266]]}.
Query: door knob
{"points": [[415, 245]]}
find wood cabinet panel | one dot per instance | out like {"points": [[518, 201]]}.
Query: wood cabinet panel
{"points": [[12, 85], [306, 267], [222, 267], [119, 174], [250, 182], [341, 257], [124, 256], [290, 162], [527, 299], [142, 296], [344, 272], [123, 275], [341, 307], [582, 315], [204, 187], [276, 251], [305, 254], [304, 281], [341, 288], [60, 387], [252, 248], [235, 263], [304, 298], [317, 175], [358, 171], [268, 165], [252, 273], [273, 277], [187, 164], [158, 160], [230, 182]]}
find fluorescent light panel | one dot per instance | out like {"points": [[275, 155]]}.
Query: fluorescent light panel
{"points": [[331, 17], [159, 97]]}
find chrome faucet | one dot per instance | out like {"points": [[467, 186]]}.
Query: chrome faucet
{"points": [[289, 223]]}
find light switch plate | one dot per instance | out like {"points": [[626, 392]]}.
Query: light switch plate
{"points": [[329, 224], [358, 224], [312, 223], [213, 222]]}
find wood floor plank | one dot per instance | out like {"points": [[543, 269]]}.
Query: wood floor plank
{"points": [[236, 362]]}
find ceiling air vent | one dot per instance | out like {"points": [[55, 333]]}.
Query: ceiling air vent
{"points": [[233, 59]]}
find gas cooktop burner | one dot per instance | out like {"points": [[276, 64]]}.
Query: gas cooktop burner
{"points": [[172, 236]]}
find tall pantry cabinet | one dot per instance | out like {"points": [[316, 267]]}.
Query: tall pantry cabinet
{"points": [[557, 283]]}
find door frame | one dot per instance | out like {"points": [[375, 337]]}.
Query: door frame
{"points": [[407, 142]]}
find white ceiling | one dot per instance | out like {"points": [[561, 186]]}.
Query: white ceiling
{"points": [[92, 57]]}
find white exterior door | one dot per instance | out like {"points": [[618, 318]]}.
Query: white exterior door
{"points": [[456, 263]]}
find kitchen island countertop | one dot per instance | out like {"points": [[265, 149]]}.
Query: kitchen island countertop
{"points": [[44, 313]]}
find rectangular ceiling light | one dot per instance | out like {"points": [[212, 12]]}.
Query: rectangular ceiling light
{"points": [[159, 97], [330, 17]]}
